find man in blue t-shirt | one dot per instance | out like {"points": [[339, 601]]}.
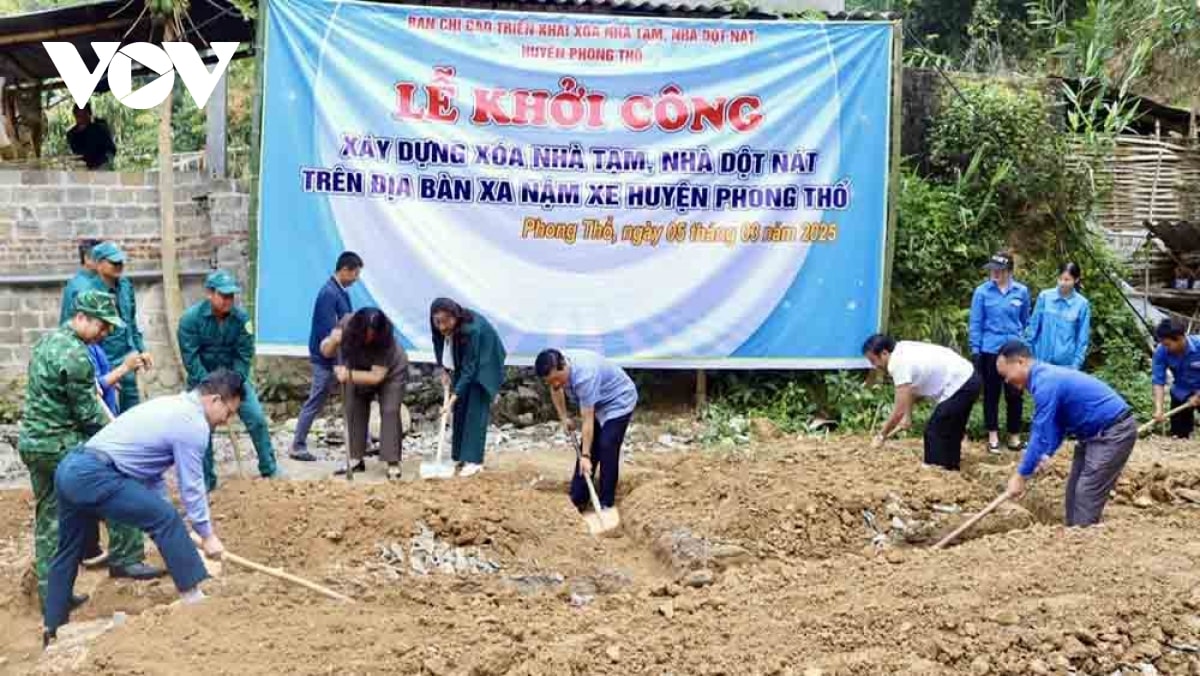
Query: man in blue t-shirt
{"points": [[1178, 353], [1067, 402], [606, 397]]}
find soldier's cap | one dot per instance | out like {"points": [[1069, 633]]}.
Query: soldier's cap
{"points": [[99, 305], [222, 282], [108, 251]]}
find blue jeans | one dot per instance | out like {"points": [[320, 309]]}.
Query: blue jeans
{"points": [[89, 489], [323, 383]]}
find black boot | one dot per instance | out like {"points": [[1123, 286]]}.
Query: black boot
{"points": [[78, 600], [136, 571], [360, 467]]}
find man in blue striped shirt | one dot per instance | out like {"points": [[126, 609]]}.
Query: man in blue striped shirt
{"points": [[118, 475], [1071, 403]]}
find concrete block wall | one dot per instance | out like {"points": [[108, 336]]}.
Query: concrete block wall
{"points": [[43, 215]]}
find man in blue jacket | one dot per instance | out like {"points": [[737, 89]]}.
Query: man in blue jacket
{"points": [[1066, 403], [1180, 354], [333, 303]]}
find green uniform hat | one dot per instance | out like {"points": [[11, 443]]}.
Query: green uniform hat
{"points": [[222, 282], [99, 305], [108, 251]]}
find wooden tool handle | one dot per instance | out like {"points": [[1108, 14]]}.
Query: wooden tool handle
{"points": [[1178, 409], [587, 477], [276, 573], [445, 419], [973, 520]]}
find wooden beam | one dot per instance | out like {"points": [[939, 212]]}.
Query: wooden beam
{"points": [[217, 115], [53, 33], [701, 393]]}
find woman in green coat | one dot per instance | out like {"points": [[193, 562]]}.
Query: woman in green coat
{"points": [[478, 373]]}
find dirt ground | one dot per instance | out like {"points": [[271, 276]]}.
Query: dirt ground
{"points": [[790, 557]]}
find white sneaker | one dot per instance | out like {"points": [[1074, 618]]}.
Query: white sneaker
{"points": [[192, 596], [470, 469]]}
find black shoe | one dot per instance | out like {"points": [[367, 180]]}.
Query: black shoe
{"points": [[360, 467], [1015, 447], [137, 571], [48, 637], [302, 456], [78, 600]]}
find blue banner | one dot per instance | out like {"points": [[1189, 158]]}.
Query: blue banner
{"points": [[669, 192]]}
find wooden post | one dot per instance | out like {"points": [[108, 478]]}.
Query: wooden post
{"points": [[897, 115], [215, 121], [701, 393], [172, 295]]}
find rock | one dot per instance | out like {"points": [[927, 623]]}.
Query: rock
{"points": [[981, 666], [1006, 618], [813, 671], [376, 503], [729, 555], [1087, 637], [1148, 669], [1145, 650], [525, 420], [1161, 494], [291, 424], [436, 667], [894, 556], [333, 535], [667, 609], [1073, 648], [1143, 501], [1188, 494], [1059, 661], [699, 578], [1038, 667], [970, 630], [614, 653], [764, 429]]}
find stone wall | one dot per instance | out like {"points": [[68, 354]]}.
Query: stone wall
{"points": [[44, 214]]}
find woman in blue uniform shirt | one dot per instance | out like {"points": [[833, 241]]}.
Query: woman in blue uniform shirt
{"points": [[1062, 321]]}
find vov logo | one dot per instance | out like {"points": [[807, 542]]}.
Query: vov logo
{"points": [[178, 57]]}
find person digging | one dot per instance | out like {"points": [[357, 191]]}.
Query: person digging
{"points": [[1070, 403], [606, 397], [118, 474]]}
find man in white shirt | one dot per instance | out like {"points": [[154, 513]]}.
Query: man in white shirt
{"points": [[927, 371]]}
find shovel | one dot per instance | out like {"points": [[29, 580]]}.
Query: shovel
{"points": [[439, 469], [599, 521], [1178, 409], [1000, 499]]}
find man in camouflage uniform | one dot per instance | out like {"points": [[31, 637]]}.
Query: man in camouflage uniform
{"points": [[110, 278], [62, 410], [214, 334]]}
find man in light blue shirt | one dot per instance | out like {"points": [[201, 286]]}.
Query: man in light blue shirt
{"points": [[606, 397], [1178, 353], [118, 475], [1071, 403]]}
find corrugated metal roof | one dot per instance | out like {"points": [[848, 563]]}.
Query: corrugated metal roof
{"points": [[22, 56]]}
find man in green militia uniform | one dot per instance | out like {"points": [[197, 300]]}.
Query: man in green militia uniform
{"points": [[110, 278], [214, 334], [62, 410]]}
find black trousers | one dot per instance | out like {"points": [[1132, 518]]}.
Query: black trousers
{"points": [[1184, 422], [993, 384], [606, 461], [944, 432]]}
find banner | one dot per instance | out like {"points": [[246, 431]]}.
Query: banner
{"points": [[668, 192]]}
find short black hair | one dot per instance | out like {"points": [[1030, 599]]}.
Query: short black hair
{"points": [[348, 261], [85, 248], [879, 343], [1015, 349], [1170, 328], [548, 361], [224, 383]]}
